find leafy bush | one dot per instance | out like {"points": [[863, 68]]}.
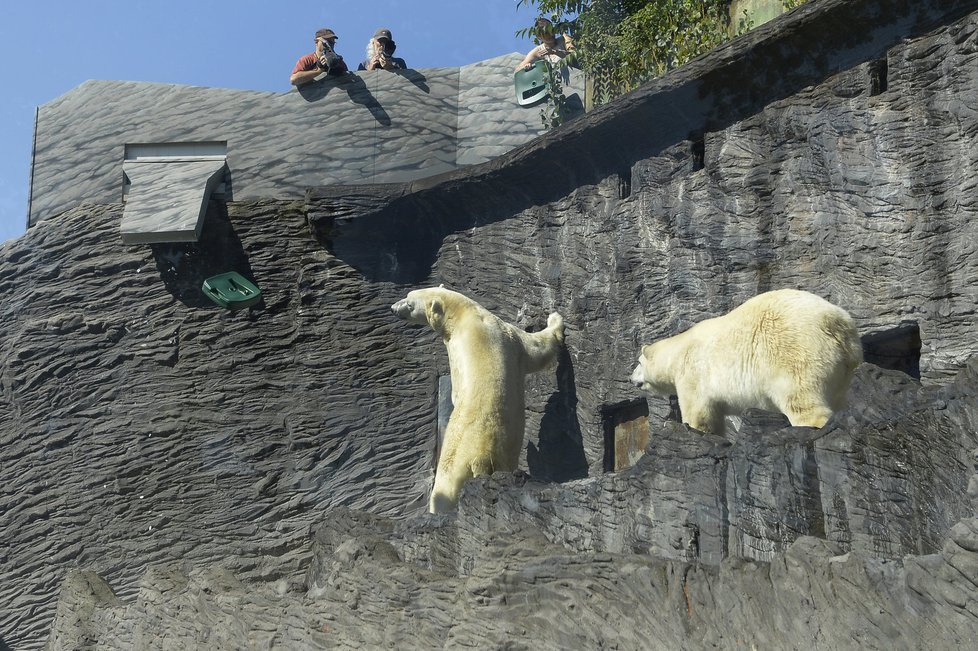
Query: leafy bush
{"points": [[623, 43]]}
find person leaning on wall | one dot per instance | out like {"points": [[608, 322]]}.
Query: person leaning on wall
{"points": [[324, 59], [553, 48], [380, 53]]}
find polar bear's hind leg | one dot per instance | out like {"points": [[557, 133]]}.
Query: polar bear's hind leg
{"points": [[802, 411]]}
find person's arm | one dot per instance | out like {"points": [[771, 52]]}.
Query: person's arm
{"points": [[305, 70], [530, 57], [304, 76]]}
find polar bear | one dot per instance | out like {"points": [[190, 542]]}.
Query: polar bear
{"points": [[785, 350], [489, 360]]}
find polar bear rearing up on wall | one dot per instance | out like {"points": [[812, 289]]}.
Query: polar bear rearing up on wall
{"points": [[489, 360], [786, 350]]}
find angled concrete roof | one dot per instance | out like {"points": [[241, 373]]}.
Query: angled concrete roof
{"points": [[168, 199]]}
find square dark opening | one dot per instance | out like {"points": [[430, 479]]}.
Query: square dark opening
{"points": [[897, 348], [626, 433]]}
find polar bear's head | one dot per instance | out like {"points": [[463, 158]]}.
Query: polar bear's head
{"points": [[651, 374], [423, 306]]}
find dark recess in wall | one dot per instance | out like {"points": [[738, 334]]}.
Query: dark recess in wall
{"points": [[184, 266], [625, 183], [697, 151], [896, 349], [878, 76]]}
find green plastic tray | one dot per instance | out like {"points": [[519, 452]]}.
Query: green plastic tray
{"points": [[231, 290], [531, 85]]}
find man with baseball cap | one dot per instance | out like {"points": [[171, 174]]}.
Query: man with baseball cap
{"points": [[324, 59], [380, 53]]}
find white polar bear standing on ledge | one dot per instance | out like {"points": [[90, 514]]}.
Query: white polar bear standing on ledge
{"points": [[489, 360], [786, 350]]}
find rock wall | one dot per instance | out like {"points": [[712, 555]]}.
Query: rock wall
{"points": [[183, 455], [597, 562]]}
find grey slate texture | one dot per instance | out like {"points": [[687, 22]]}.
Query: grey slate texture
{"points": [[364, 127], [259, 478]]}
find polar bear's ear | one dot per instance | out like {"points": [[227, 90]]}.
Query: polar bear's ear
{"points": [[436, 314]]}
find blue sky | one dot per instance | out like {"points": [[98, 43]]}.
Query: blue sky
{"points": [[48, 48]]}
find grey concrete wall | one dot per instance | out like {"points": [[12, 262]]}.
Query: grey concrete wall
{"points": [[363, 128]]}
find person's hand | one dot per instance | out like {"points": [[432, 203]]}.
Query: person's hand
{"points": [[380, 62]]}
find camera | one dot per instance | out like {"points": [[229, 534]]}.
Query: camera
{"points": [[330, 61]]}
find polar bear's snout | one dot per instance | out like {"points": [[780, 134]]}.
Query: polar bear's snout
{"points": [[402, 309], [638, 377], [411, 310]]}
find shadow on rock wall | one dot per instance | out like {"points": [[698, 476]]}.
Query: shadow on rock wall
{"points": [[560, 454], [184, 266]]}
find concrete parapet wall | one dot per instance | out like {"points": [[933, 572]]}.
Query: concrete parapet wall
{"points": [[369, 127]]}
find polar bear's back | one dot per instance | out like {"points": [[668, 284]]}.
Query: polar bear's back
{"points": [[786, 319], [786, 337]]}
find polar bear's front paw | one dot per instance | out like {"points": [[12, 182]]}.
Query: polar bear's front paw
{"points": [[555, 322]]}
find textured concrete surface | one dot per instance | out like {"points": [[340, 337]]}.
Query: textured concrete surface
{"points": [[365, 127], [179, 471]]}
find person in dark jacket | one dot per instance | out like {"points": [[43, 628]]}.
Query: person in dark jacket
{"points": [[380, 53]]}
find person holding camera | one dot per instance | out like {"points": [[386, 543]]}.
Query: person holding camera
{"points": [[380, 53], [324, 59]]}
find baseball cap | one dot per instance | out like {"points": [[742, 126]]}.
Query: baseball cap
{"points": [[383, 33], [326, 33]]}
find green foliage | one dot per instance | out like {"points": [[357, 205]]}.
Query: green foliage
{"points": [[623, 43], [745, 23], [552, 113]]}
